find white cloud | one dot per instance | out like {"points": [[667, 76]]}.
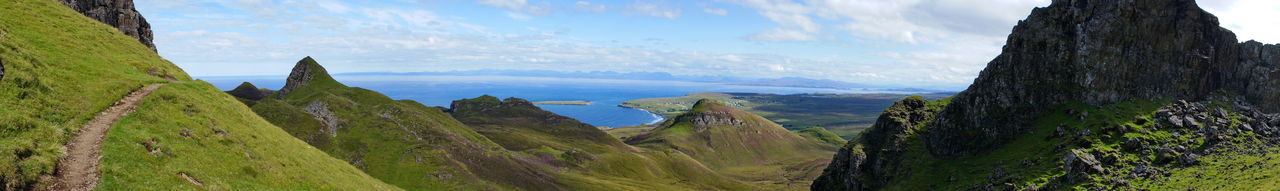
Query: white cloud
{"points": [[506, 4], [588, 7], [518, 16], [715, 11], [782, 35], [335, 7], [1249, 19], [654, 9]]}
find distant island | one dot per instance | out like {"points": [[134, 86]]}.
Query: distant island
{"points": [[562, 102]]}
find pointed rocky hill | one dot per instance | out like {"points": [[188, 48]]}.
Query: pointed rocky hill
{"points": [[722, 135], [1089, 95], [401, 142]]}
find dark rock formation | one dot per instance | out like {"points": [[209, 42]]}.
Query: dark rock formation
{"points": [[117, 13], [248, 91], [1, 70], [306, 71], [1101, 52], [1079, 165], [865, 163]]}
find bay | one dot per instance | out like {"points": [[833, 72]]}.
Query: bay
{"points": [[606, 94]]}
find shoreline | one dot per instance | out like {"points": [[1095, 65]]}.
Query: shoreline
{"points": [[658, 118]]}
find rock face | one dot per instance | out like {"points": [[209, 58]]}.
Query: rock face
{"points": [[865, 163], [1, 70], [1101, 52], [306, 71], [117, 13]]}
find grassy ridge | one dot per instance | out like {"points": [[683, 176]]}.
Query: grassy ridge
{"points": [[61, 68], [592, 159], [842, 114], [741, 145], [192, 129], [403, 143]]}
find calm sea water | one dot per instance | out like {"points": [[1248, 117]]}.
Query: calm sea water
{"points": [[606, 94]]}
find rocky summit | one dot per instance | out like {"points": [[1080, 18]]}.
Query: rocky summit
{"points": [[304, 73], [1088, 95], [1102, 52], [120, 14]]}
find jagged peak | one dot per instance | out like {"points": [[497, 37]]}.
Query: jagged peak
{"points": [[306, 71]]}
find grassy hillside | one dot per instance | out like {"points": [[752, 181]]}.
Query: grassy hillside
{"points": [[843, 114], [821, 135], [593, 159], [62, 68], [191, 129], [403, 143], [741, 145]]}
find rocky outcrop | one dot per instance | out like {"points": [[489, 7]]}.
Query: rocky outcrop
{"points": [[1101, 52], [304, 73], [116, 13], [1, 70], [866, 163], [248, 91]]}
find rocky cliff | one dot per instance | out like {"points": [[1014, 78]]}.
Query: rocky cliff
{"points": [[1090, 95], [117, 13], [305, 72], [1102, 52], [866, 163]]}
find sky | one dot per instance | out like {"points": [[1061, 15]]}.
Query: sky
{"points": [[935, 43]]}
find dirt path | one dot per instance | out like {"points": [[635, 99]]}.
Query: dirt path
{"points": [[78, 170]]}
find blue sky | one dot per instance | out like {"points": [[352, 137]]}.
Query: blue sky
{"points": [[898, 42]]}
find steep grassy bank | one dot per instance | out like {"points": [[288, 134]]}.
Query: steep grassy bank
{"points": [[191, 130], [61, 68]]}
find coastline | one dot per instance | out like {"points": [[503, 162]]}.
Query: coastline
{"points": [[658, 118]]}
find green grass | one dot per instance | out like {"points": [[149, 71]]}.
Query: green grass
{"points": [[207, 135], [403, 143], [821, 135], [61, 68]]}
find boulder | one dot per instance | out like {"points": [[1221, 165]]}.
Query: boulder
{"points": [[1080, 164]]}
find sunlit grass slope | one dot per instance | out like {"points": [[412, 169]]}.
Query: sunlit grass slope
{"points": [[61, 68], [191, 129], [403, 143]]}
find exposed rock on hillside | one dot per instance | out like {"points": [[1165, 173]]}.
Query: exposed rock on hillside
{"points": [[248, 91], [117, 13], [722, 135], [1101, 52], [306, 71], [864, 163]]}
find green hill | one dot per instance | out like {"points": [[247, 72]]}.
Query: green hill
{"points": [[741, 145], [594, 160], [401, 142], [61, 69]]}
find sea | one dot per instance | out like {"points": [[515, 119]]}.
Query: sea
{"points": [[606, 94]]}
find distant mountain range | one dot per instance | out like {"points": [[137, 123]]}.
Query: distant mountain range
{"points": [[663, 76]]}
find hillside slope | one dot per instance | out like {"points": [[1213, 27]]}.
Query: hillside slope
{"points": [[740, 144], [592, 159], [62, 68], [1088, 95], [401, 142]]}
